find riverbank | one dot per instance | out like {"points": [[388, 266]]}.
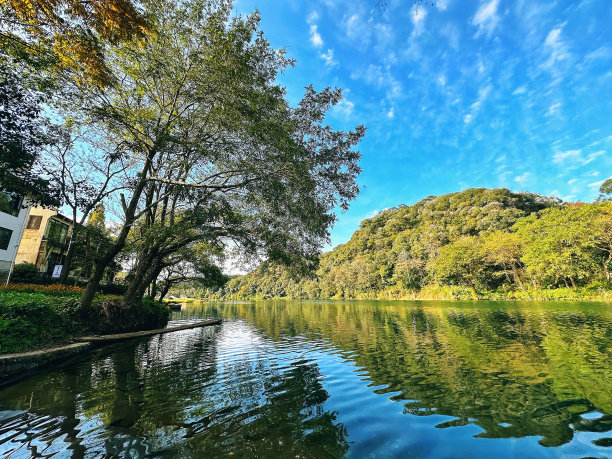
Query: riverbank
{"points": [[443, 293], [38, 317], [14, 367]]}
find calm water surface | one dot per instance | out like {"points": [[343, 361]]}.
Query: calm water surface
{"points": [[333, 379]]}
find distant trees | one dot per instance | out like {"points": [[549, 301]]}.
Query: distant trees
{"points": [[557, 245], [483, 240], [462, 262]]}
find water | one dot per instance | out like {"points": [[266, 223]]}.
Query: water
{"points": [[333, 379]]}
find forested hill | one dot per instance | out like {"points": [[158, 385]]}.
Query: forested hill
{"points": [[478, 240]]}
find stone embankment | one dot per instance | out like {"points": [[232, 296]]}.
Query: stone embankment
{"points": [[17, 366]]}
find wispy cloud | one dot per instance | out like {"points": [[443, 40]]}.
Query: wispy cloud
{"points": [[344, 108], [329, 58], [575, 158], [417, 16], [557, 48], [486, 18], [523, 178], [553, 109], [483, 94], [315, 37]]}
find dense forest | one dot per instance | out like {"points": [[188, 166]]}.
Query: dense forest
{"points": [[475, 243]]}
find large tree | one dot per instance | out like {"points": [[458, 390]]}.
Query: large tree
{"points": [[22, 137], [216, 151], [71, 34]]}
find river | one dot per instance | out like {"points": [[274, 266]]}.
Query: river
{"points": [[332, 379]]}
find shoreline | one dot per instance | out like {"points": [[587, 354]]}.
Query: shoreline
{"points": [[20, 365]]}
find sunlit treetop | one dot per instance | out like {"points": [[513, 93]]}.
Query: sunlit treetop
{"points": [[75, 30]]}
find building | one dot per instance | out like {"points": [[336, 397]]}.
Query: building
{"points": [[45, 239], [13, 215]]}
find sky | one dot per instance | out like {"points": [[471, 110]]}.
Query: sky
{"points": [[459, 94]]}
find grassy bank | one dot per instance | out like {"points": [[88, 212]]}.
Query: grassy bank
{"points": [[34, 316]]}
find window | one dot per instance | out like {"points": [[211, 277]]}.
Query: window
{"points": [[34, 222], [10, 203], [5, 238], [56, 232]]}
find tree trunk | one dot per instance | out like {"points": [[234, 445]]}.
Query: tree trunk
{"points": [[139, 275], [153, 289], [164, 292], [68, 261], [606, 268], [101, 264], [517, 278], [137, 290]]}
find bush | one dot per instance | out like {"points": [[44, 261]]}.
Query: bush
{"points": [[51, 290], [110, 315], [25, 272], [29, 321]]}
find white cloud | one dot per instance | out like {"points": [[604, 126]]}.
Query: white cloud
{"points": [[596, 184], [315, 37], [329, 58], [312, 17], [523, 178], [575, 158], [568, 155], [519, 90], [557, 48], [553, 109], [442, 4], [452, 34], [344, 108], [593, 156], [391, 113], [417, 16], [357, 29], [486, 18], [483, 94]]}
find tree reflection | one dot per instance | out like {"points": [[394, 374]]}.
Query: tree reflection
{"points": [[513, 370], [172, 395]]}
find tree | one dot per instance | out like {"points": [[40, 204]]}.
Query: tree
{"points": [[606, 190], [21, 139], [600, 235], [216, 151], [461, 261], [557, 247], [505, 249], [85, 180], [75, 31]]}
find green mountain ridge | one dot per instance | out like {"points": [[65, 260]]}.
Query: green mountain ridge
{"points": [[475, 241]]}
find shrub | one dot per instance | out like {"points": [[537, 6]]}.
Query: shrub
{"points": [[31, 320], [51, 290], [111, 315], [25, 272]]}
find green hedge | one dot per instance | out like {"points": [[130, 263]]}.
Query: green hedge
{"points": [[30, 320], [35, 320]]}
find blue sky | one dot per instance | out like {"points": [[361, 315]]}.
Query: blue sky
{"points": [[462, 94]]}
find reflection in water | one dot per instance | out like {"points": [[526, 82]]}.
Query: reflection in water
{"points": [[330, 379]]}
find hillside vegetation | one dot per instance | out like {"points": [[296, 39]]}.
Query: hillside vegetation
{"points": [[475, 243]]}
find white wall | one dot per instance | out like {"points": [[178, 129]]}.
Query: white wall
{"points": [[16, 224]]}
